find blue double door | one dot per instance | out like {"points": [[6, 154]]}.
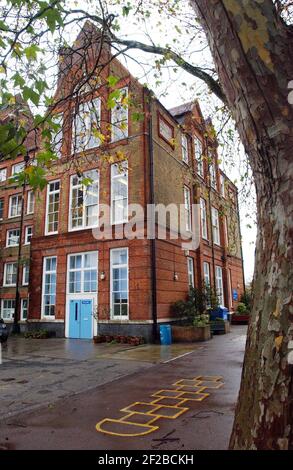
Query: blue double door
{"points": [[81, 319]]}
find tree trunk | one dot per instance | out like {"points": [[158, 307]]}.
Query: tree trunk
{"points": [[253, 53]]}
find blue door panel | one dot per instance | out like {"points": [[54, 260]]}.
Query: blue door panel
{"points": [[86, 319], [74, 319]]}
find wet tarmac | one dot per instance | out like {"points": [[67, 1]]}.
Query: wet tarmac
{"points": [[78, 385]]}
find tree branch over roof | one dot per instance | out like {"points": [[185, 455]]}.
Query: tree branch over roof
{"points": [[197, 72]]}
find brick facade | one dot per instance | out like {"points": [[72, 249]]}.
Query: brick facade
{"points": [[157, 175]]}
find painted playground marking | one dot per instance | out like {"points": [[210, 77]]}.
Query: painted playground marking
{"points": [[141, 417]]}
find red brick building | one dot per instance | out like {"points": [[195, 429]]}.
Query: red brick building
{"points": [[80, 285]]}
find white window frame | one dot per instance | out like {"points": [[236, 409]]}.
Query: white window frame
{"points": [[30, 202], [55, 191], [3, 174], [220, 285], [225, 222], [190, 271], [187, 208], [48, 317], [117, 133], [120, 317], [18, 205], [84, 190], [213, 173], [223, 187], [198, 153], [8, 238], [57, 146], [26, 234], [124, 167], [17, 168], [207, 273], [83, 269], [184, 145], [2, 204], [11, 315], [5, 284], [216, 226], [22, 309], [204, 218], [25, 270], [82, 124]]}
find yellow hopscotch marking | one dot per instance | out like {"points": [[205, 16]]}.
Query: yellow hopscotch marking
{"points": [[133, 425]]}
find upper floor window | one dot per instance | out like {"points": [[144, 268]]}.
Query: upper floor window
{"points": [[198, 153], [86, 126], [15, 203], [28, 233], [12, 237], [10, 274], [52, 210], [166, 131], [57, 135], [215, 226], [25, 274], [84, 201], [119, 117], [223, 189], [17, 168], [204, 224], [30, 202], [119, 193], [1, 208], [185, 156], [213, 174], [187, 207], [3, 174]]}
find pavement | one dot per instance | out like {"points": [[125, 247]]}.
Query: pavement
{"points": [[71, 394]]}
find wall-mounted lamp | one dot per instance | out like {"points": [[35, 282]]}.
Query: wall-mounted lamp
{"points": [[102, 276], [176, 277]]}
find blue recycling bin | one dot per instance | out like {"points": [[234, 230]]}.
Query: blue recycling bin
{"points": [[221, 312], [165, 335]]}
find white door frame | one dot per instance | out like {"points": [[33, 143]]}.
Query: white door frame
{"points": [[93, 296]]}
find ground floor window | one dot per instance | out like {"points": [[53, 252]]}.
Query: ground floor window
{"points": [[119, 283], [206, 274], [190, 268], [7, 309], [83, 269], [24, 309], [49, 287], [219, 285]]}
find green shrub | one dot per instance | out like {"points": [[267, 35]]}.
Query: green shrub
{"points": [[37, 334], [241, 309]]}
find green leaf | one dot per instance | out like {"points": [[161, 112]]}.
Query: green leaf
{"points": [[137, 117], [30, 94], [112, 99], [18, 80], [112, 80], [31, 52]]}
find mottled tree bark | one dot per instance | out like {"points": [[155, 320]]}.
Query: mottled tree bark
{"points": [[253, 53]]}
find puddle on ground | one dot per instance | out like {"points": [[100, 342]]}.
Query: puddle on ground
{"points": [[151, 353]]}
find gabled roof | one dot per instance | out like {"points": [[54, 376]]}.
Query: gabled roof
{"points": [[182, 109]]}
